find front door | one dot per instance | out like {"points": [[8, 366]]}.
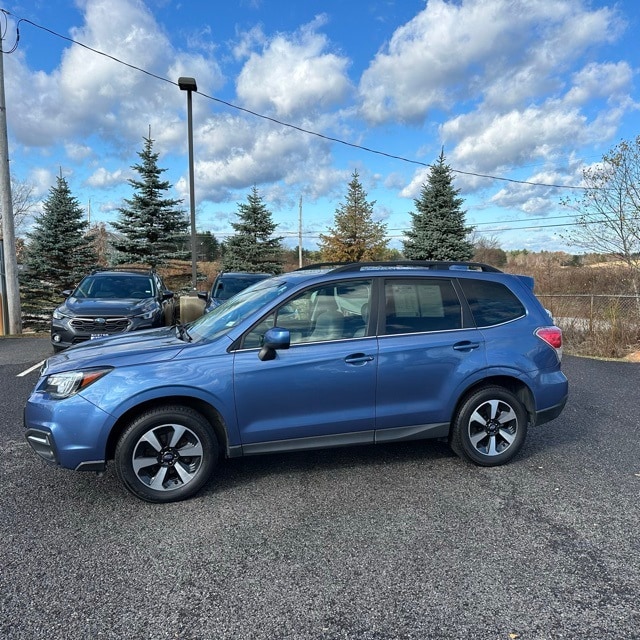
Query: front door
{"points": [[323, 387]]}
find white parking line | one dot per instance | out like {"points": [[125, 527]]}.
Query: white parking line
{"points": [[30, 369]]}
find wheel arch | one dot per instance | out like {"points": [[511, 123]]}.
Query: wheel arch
{"points": [[210, 414], [514, 385]]}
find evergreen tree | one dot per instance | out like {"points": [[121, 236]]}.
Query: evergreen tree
{"points": [[355, 236], [253, 248], [151, 225], [57, 255], [438, 228]]}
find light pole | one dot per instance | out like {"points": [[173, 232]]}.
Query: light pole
{"points": [[189, 85]]}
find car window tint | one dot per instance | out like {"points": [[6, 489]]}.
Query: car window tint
{"points": [[491, 302], [329, 312], [415, 306]]}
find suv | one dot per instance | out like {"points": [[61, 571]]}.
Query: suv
{"points": [[226, 285], [111, 301], [319, 357]]}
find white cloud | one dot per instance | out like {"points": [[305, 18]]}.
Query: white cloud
{"points": [[78, 152], [531, 94], [103, 179], [90, 94], [42, 180], [609, 80], [498, 51], [294, 75], [235, 153]]}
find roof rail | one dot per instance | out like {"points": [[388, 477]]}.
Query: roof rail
{"points": [[339, 267], [324, 265], [145, 270]]}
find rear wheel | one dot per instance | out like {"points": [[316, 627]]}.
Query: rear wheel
{"points": [[166, 454], [490, 427]]}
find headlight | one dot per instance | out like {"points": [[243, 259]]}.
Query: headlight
{"points": [[148, 313], [68, 383], [58, 315]]}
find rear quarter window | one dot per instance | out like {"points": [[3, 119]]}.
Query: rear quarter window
{"points": [[491, 302]]}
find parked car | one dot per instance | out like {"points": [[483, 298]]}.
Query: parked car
{"points": [[227, 284], [111, 301], [361, 353]]}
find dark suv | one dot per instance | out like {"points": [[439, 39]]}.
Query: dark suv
{"points": [[111, 301], [227, 284], [320, 357]]}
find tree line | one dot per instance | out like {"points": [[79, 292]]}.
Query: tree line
{"points": [[152, 228]]}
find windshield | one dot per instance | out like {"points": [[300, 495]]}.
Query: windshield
{"points": [[115, 287], [230, 313], [230, 286]]}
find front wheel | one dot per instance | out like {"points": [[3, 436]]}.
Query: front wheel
{"points": [[166, 454], [490, 427]]}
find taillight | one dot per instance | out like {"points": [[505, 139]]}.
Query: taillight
{"points": [[552, 336]]}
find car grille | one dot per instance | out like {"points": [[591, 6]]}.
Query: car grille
{"points": [[108, 325]]}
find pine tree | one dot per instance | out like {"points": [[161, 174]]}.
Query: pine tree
{"points": [[57, 256], [438, 228], [253, 248], [151, 225], [355, 236]]}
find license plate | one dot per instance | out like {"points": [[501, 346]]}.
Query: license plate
{"points": [[95, 336]]}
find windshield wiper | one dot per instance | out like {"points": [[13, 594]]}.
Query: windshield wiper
{"points": [[183, 333]]}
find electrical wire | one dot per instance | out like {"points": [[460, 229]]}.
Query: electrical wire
{"points": [[5, 28], [287, 124]]}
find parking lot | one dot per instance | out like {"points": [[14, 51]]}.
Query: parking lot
{"points": [[396, 541]]}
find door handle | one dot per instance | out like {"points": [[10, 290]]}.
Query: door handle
{"points": [[358, 358], [466, 345]]}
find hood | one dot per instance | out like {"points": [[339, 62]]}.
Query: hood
{"points": [[106, 307], [152, 345]]}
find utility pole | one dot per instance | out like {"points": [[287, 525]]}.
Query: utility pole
{"points": [[10, 266], [300, 234]]}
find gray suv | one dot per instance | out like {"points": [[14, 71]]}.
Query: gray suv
{"points": [[109, 302]]}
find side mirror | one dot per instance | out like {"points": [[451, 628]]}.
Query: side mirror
{"points": [[66, 293], [203, 295], [274, 339], [167, 295]]}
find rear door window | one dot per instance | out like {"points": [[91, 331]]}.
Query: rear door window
{"points": [[416, 305], [491, 303]]}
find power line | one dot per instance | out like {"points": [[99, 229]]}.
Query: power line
{"points": [[281, 122]]}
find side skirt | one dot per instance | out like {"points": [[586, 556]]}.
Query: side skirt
{"points": [[400, 434]]}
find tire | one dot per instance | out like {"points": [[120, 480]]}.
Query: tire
{"points": [[490, 427], [151, 456]]}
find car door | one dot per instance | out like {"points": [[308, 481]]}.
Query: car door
{"points": [[320, 391], [425, 352]]}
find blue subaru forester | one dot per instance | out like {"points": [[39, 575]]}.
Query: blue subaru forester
{"points": [[321, 357]]}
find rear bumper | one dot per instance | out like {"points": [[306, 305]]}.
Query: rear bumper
{"points": [[547, 415]]}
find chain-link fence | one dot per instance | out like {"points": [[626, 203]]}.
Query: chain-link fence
{"points": [[603, 325]]}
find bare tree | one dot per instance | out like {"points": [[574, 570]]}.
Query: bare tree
{"points": [[23, 202], [609, 208], [488, 250]]}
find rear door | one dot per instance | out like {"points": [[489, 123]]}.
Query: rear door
{"points": [[425, 352]]}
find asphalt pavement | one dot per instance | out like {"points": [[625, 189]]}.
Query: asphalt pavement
{"points": [[400, 541]]}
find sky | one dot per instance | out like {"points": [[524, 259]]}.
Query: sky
{"points": [[513, 91]]}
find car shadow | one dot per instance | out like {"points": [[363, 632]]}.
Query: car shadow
{"points": [[237, 472]]}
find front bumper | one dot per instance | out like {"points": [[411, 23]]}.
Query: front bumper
{"points": [[42, 443], [70, 433], [69, 331]]}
